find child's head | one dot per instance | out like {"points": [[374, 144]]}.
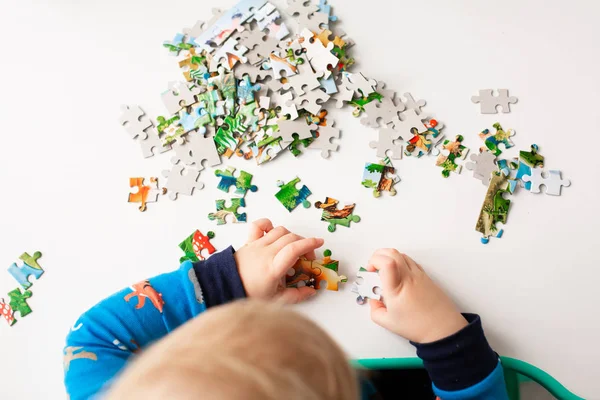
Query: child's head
{"points": [[249, 350]]}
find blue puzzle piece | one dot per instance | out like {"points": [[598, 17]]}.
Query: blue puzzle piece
{"points": [[246, 90], [173, 45], [196, 119], [22, 274], [326, 8]]}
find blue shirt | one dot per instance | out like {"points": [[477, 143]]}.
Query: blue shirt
{"points": [[105, 338]]}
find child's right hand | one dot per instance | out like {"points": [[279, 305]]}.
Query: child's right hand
{"points": [[415, 307]]}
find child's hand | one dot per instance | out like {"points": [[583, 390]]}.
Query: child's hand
{"points": [[415, 307], [265, 260]]}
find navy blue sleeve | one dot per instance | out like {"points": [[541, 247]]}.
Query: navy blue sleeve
{"points": [[219, 278], [461, 360]]}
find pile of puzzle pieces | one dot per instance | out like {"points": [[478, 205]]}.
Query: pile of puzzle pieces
{"points": [[17, 299], [255, 86]]}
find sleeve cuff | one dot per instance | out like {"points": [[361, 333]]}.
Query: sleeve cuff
{"points": [[460, 360], [219, 278]]}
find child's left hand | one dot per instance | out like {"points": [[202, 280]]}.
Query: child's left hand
{"points": [[265, 260]]}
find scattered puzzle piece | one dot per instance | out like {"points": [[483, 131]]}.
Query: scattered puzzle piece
{"points": [[324, 143], [388, 142], [29, 268], [18, 302], [7, 312], [135, 121], [223, 211], [483, 165], [145, 193], [312, 272], [454, 151], [290, 197], [333, 216], [495, 208], [380, 177], [182, 180], [193, 245], [242, 184], [488, 102], [529, 160], [553, 182], [366, 285], [493, 140]]}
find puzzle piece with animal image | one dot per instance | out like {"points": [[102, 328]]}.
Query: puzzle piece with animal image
{"points": [[29, 268], [493, 140], [144, 194], [452, 151], [529, 160], [193, 245], [334, 216], [223, 211], [495, 207], [242, 183], [553, 182], [381, 177], [426, 141], [312, 272], [290, 196], [366, 286], [489, 102]]}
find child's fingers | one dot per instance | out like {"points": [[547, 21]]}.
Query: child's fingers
{"points": [[390, 272], [289, 254], [297, 295], [259, 228], [378, 312], [274, 235]]}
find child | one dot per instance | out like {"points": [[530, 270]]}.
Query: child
{"points": [[255, 350]]}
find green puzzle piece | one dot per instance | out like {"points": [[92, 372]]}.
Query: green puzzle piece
{"points": [[223, 211], [18, 301], [31, 261]]}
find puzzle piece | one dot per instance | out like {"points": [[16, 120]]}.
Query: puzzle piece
{"points": [[411, 104], [312, 272], [287, 128], [135, 121], [319, 56], [194, 149], [223, 211], [365, 288], [29, 268], [483, 165], [179, 182], [326, 9], [176, 44], [228, 55], [488, 102], [179, 95], [307, 15], [290, 197], [323, 141], [452, 152], [242, 184], [152, 142], [386, 111], [193, 245], [7, 312], [529, 160], [333, 216], [311, 101], [145, 193], [380, 177], [422, 143], [388, 141], [553, 182], [18, 302], [304, 81], [494, 209], [408, 120], [492, 141], [198, 118], [358, 83], [246, 90]]}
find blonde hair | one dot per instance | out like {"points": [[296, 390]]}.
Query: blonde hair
{"points": [[244, 350]]}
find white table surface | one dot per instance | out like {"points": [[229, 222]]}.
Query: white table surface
{"points": [[65, 163]]}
